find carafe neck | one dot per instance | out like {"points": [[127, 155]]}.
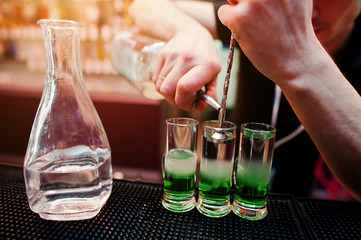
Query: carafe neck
{"points": [[62, 45]]}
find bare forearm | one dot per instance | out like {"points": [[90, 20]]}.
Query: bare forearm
{"points": [[164, 18], [330, 110], [202, 11]]}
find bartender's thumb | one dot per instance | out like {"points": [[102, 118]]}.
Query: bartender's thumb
{"points": [[227, 15]]}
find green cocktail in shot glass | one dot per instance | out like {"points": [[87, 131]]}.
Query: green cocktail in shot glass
{"points": [[253, 170], [216, 169], [179, 164]]}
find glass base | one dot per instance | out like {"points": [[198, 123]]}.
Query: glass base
{"points": [[211, 208], [176, 203], [249, 211], [69, 217], [70, 209]]}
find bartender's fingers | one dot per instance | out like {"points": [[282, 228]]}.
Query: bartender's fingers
{"points": [[158, 67], [165, 63], [168, 86], [186, 78], [157, 78], [228, 15], [160, 80], [188, 87], [175, 66]]}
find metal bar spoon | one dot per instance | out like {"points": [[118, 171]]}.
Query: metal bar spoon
{"points": [[212, 102], [221, 136], [201, 94], [222, 111]]}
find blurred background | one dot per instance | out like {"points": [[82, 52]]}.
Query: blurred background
{"points": [[134, 124]]}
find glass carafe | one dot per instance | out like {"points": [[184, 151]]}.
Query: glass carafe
{"points": [[67, 167]]}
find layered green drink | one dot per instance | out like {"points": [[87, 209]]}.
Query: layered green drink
{"points": [[216, 169], [179, 180], [254, 170], [253, 183], [179, 164]]}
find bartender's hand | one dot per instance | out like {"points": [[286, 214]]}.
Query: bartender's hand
{"points": [[277, 36], [189, 60]]}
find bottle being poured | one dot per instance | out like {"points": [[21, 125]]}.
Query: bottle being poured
{"points": [[134, 56]]}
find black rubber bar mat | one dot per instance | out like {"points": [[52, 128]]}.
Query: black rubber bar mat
{"points": [[332, 219], [134, 211]]}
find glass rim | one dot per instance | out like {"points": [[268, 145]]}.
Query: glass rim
{"points": [[59, 23], [231, 127], [186, 121], [267, 130]]}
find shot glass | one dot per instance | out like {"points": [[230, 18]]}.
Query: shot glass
{"points": [[179, 164], [254, 170], [216, 168]]}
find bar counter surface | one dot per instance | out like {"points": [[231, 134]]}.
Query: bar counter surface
{"points": [[134, 211]]}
